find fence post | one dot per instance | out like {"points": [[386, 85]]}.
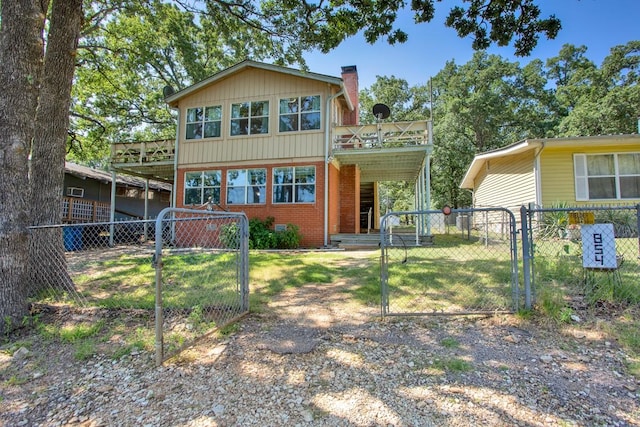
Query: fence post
{"points": [[244, 259], [157, 263], [526, 257], [638, 227]]}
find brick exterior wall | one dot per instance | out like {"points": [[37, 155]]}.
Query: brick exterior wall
{"points": [[350, 199], [307, 216]]}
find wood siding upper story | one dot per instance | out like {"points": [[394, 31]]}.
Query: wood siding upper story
{"points": [[254, 85], [558, 179], [506, 182]]}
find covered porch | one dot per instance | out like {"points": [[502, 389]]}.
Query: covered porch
{"points": [[396, 151]]}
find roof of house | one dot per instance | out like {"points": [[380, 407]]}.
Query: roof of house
{"points": [[538, 144], [105, 177], [173, 99]]}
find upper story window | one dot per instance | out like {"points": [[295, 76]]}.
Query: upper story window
{"points": [[204, 122], [294, 184], [607, 176], [250, 118], [302, 113], [246, 186], [200, 187]]}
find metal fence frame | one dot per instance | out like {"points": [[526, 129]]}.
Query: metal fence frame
{"points": [[424, 221], [171, 217]]}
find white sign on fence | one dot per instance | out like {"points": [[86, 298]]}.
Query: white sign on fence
{"points": [[598, 246]]}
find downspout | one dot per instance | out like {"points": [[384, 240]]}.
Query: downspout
{"points": [[327, 137], [537, 175]]}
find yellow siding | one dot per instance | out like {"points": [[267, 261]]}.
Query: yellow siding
{"points": [[507, 182], [253, 85], [557, 174]]}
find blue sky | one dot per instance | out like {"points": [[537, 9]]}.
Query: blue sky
{"points": [[597, 24]]}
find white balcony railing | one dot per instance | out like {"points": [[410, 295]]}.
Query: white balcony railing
{"points": [[381, 135], [143, 152]]}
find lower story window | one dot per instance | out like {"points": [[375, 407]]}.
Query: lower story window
{"points": [[246, 186], [202, 187], [294, 184], [607, 176]]}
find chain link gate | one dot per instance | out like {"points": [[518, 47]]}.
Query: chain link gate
{"points": [[202, 275], [464, 262]]}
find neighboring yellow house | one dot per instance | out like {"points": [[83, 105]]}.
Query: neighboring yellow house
{"points": [[577, 171]]}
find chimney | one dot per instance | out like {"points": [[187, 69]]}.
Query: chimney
{"points": [[350, 79]]}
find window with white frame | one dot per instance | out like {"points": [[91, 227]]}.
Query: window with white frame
{"points": [[607, 176], [200, 187], [301, 113], [250, 118], [294, 184], [204, 122], [245, 186]]}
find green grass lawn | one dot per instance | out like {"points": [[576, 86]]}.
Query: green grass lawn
{"points": [[453, 275]]}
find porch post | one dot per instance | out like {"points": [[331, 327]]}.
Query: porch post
{"points": [[112, 208], [146, 209]]}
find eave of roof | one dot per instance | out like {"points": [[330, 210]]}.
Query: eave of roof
{"points": [[105, 177], [173, 100], [529, 144]]}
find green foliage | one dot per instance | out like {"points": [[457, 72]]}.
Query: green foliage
{"points": [[554, 223], [499, 21], [261, 236], [230, 235], [80, 332], [450, 342], [551, 304], [85, 349], [15, 380], [484, 104], [454, 364], [406, 102], [625, 222], [289, 238]]}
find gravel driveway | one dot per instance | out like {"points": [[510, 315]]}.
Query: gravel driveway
{"points": [[315, 358]]}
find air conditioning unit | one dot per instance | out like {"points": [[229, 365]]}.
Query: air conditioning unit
{"points": [[75, 192]]}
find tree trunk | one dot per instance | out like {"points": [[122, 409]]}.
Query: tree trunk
{"points": [[48, 262], [21, 52]]}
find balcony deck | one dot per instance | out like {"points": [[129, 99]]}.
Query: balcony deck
{"points": [[394, 151], [389, 151], [147, 159]]}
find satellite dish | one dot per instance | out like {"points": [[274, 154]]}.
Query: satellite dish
{"points": [[381, 111], [167, 91]]}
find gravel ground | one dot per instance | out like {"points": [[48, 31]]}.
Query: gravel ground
{"points": [[314, 358]]}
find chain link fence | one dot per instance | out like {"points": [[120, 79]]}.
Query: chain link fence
{"points": [[582, 257], [465, 264], [85, 265], [179, 277]]}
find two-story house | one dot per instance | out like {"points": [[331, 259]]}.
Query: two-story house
{"points": [[285, 143]]}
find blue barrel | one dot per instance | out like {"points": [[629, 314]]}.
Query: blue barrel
{"points": [[72, 238]]}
